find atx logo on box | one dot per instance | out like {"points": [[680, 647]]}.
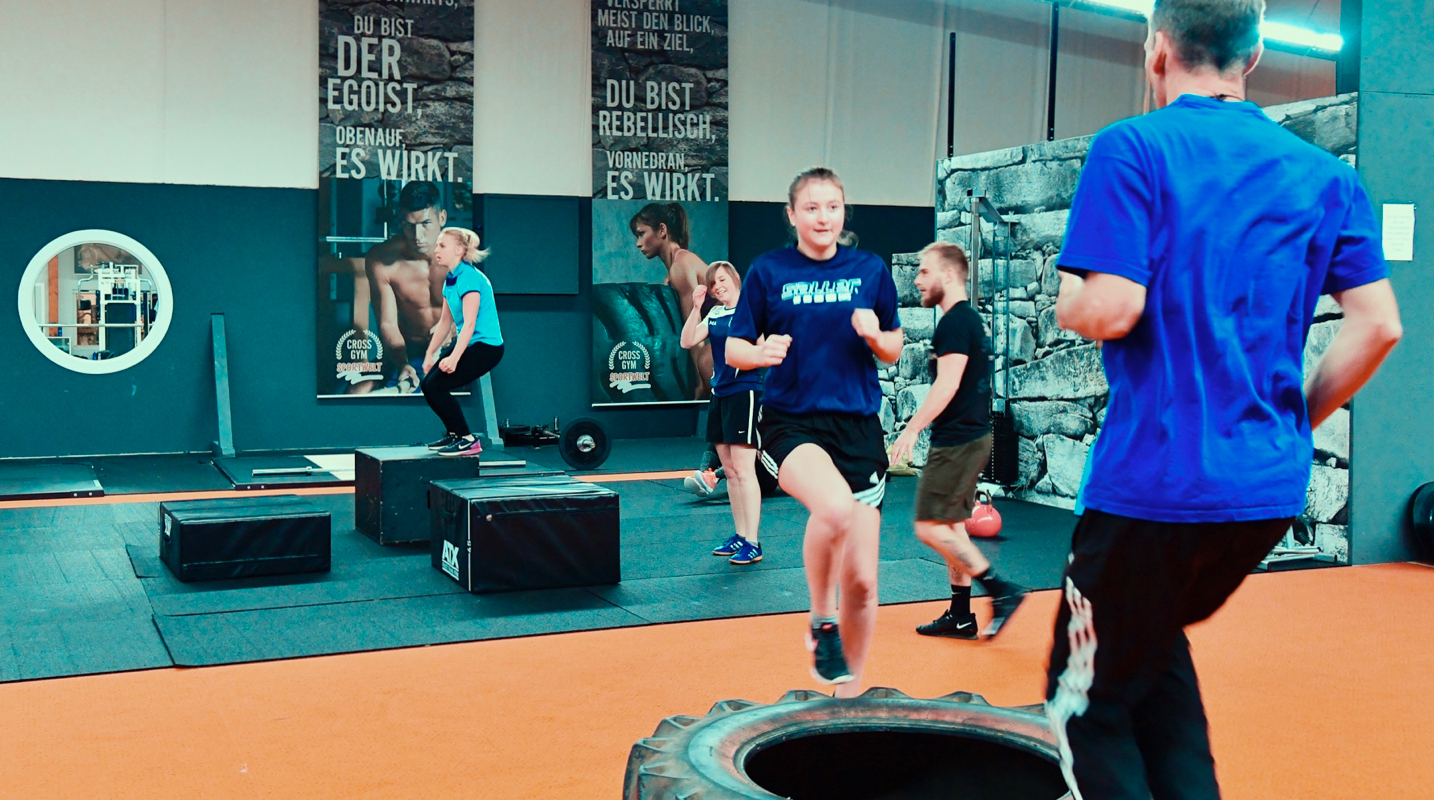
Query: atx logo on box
{"points": [[450, 559]]}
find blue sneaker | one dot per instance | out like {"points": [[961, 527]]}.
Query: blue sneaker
{"points": [[729, 547], [747, 553]]}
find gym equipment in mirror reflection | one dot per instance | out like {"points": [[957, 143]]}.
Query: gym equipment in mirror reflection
{"points": [[95, 301]]}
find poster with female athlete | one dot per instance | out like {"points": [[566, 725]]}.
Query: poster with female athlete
{"points": [[395, 168], [659, 98]]}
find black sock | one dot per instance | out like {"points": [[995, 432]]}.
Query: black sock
{"points": [[960, 601], [994, 586]]}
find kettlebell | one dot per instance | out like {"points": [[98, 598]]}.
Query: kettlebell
{"points": [[985, 520]]}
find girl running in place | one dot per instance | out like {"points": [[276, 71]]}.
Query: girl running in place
{"points": [[732, 415], [469, 310], [663, 233], [824, 310]]}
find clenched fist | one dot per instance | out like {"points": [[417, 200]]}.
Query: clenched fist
{"points": [[864, 321], [774, 349]]}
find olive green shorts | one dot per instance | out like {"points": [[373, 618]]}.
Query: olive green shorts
{"points": [[946, 491]]}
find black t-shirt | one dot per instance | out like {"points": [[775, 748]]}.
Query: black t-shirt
{"points": [[968, 416]]}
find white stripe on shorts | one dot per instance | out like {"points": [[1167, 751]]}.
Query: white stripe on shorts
{"points": [[873, 496]]}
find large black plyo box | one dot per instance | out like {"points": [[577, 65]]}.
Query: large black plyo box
{"points": [[210, 540], [391, 489], [505, 534]]}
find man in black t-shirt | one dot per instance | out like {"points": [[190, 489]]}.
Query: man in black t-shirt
{"points": [[958, 409]]}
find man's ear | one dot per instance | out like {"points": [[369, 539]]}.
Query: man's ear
{"points": [[1254, 58], [1160, 53]]}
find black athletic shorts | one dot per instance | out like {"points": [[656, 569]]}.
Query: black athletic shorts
{"points": [[733, 419], [856, 444]]}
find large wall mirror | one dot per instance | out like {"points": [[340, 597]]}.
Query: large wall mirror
{"points": [[95, 301]]}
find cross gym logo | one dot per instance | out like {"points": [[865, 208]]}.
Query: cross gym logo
{"points": [[629, 367], [359, 356]]}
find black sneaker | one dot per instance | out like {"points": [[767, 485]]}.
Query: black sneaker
{"points": [[951, 627], [1005, 605], [828, 661], [448, 438], [463, 446]]}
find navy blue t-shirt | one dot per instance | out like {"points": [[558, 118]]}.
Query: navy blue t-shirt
{"points": [[1235, 226], [727, 380], [828, 368]]}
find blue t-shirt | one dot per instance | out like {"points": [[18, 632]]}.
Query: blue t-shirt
{"points": [[1235, 226], [727, 380], [828, 367], [461, 280]]}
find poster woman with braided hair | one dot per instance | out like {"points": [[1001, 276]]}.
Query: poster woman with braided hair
{"points": [[663, 233]]}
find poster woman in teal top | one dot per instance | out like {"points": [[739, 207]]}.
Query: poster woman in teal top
{"points": [[470, 312]]}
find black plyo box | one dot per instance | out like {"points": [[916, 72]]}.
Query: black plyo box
{"points": [[209, 540], [506, 534], [391, 489]]}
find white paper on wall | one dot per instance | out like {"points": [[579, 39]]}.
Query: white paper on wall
{"points": [[1398, 231]]}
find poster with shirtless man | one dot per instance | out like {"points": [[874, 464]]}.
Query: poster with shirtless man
{"points": [[660, 168], [380, 296], [395, 166]]}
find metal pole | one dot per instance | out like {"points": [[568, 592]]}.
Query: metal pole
{"points": [[951, 99], [225, 446], [1051, 80]]}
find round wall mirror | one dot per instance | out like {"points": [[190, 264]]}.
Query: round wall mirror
{"points": [[95, 301]]}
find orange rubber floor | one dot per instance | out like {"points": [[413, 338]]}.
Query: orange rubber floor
{"points": [[1319, 684]]}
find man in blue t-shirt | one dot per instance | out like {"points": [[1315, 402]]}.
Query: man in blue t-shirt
{"points": [[1200, 238]]}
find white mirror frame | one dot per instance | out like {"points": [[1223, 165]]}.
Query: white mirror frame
{"points": [[142, 350]]}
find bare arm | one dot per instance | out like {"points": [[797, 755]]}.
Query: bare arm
{"points": [[694, 330], [394, 346], [1100, 306], [470, 317], [1371, 329], [949, 369], [768, 352], [440, 335], [887, 345]]}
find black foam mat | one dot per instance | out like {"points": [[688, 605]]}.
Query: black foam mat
{"points": [[208, 639], [82, 588], [383, 579], [80, 646], [775, 591], [29, 480]]}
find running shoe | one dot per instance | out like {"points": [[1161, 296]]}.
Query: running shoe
{"points": [[747, 553], [951, 627], [1005, 605], [729, 547], [701, 482], [448, 438], [828, 661], [465, 446], [719, 491]]}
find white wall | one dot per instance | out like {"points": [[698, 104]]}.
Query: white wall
{"points": [[185, 91], [225, 92]]}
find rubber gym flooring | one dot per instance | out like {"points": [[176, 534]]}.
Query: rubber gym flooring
{"points": [[82, 589], [1316, 683]]}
